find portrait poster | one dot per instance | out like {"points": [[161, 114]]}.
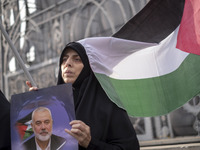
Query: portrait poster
{"points": [[59, 100]]}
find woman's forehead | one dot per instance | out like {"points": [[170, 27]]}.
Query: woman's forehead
{"points": [[70, 51]]}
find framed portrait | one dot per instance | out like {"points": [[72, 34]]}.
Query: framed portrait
{"points": [[39, 118]]}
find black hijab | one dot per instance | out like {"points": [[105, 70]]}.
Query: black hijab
{"points": [[86, 70], [5, 139], [110, 125]]}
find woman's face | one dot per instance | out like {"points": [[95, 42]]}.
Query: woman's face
{"points": [[71, 66]]}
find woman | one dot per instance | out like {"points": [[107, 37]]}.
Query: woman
{"points": [[100, 124]]}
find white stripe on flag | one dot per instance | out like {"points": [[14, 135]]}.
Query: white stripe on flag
{"points": [[125, 59]]}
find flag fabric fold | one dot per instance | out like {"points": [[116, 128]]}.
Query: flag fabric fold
{"points": [[150, 66]]}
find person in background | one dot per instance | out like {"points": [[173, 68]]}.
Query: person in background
{"points": [[100, 124], [5, 138]]}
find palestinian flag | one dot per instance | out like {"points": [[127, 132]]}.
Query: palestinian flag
{"points": [[24, 128], [151, 65]]}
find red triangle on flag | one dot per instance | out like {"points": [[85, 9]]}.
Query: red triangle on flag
{"points": [[189, 31]]}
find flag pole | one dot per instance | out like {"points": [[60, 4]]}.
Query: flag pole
{"points": [[17, 56]]}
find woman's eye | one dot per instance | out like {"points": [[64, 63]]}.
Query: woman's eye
{"points": [[77, 59], [64, 60]]}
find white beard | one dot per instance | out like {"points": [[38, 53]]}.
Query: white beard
{"points": [[43, 138]]}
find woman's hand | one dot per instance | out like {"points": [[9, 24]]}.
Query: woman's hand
{"points": [[81, 132], [31, 88]]}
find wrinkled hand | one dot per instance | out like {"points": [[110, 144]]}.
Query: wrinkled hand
{"points": [[81, 132], [31, 88]]}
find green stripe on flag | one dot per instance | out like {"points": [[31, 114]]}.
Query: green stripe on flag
{"points": [[28, 133], [158, 95]]}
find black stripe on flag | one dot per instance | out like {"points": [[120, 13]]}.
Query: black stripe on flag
{"points": [[154, 22]]}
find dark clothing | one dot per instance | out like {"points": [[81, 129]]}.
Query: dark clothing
{"points": [[56, 142], [5, 139], [110, 126]]}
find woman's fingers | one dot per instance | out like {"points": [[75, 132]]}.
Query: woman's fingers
{"points": [[29, 84], [81, 132], [31, 88]]}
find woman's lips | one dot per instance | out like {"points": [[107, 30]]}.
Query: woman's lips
{"points": [[68, 73]]}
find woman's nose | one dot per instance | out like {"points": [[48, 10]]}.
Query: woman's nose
{"points": [[68, 62]]}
